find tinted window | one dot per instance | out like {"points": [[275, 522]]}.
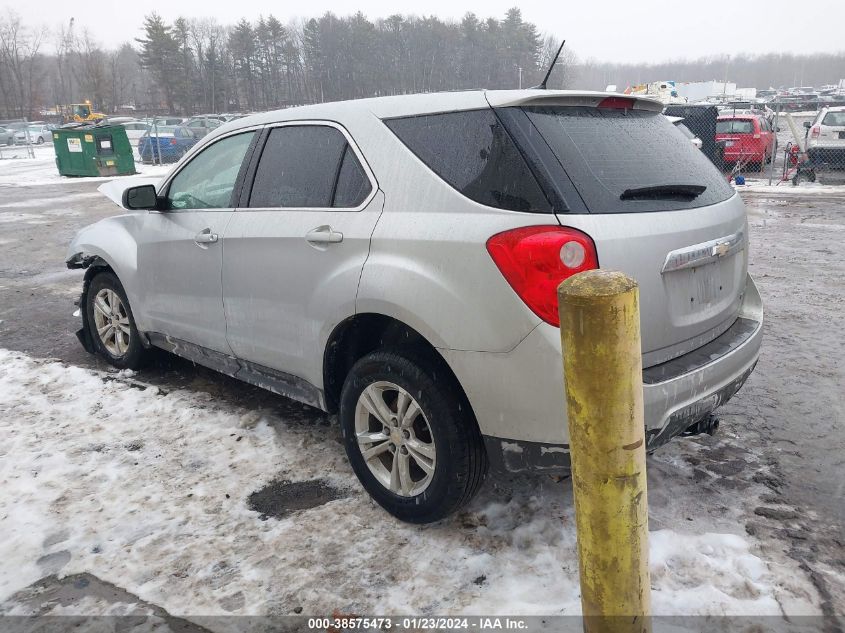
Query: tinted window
{"points": [[472, 152], [208, 180], [298, 167], [735, 126], [352, 183], [607, 152]]}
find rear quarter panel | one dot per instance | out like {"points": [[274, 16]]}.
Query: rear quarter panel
{"points": [[428, 265]]}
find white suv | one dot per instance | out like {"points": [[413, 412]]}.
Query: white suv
{"points": [[826, 138], [395, 260]]}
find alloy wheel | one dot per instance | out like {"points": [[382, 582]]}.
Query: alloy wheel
{"points": [[395, 439], [111, 321]]}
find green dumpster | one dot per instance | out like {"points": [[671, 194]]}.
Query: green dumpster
{"points": [[93, 150]]}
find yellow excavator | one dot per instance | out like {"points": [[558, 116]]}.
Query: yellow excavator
{"points": [[80, 113]]}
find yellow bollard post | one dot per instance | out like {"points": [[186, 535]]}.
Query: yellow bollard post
{"points": [[602, 367]]}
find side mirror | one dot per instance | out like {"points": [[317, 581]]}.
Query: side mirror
{"points": [[808, 124], [140, 197]]}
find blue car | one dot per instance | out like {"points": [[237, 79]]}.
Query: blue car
{"points": [[165, 143]]}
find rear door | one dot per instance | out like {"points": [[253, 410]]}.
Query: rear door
{"points": [[626, 182], [180, 248], [296, 245]]}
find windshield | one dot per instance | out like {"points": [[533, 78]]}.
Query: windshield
{"points": [[734, 126], [606, 152]]}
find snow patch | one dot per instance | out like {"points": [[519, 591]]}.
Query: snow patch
{"points": [[42, 170], [147, 490]]}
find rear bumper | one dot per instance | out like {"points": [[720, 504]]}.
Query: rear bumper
{"points": [[518, 397], [732, 155]]}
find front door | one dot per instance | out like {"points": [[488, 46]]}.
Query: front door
{"points": [[295, 248], [180, 250]]}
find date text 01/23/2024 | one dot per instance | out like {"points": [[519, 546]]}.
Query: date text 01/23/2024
{"points": [[359, 623]]}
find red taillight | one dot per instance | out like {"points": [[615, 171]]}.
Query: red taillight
{"points": [[616, 103], [173, 141], [535, 259], [815, 131]]}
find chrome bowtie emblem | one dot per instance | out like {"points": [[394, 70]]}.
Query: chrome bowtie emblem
{"points": [[720, 250]]}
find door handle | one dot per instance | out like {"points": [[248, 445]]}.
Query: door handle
{"points": [[324, 235], [205, 237]]}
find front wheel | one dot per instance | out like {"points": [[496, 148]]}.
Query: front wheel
{"points": [[410, 437], [111, 324]]}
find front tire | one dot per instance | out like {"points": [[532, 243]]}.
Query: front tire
{"points": [[410, 436], [111, 324]]}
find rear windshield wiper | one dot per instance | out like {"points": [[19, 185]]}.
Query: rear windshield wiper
{"points": [[663, 192]]}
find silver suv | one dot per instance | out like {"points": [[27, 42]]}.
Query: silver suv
{"points": [[395, 260]]}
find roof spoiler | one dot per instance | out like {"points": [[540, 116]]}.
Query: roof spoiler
{"points": [[506, 98]]}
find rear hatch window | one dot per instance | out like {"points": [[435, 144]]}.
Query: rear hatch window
{"points": [[834, 119], [734, 126], [628, 161]]}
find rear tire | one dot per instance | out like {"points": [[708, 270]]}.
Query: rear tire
{"points": [[111, 324], [425, 457]]}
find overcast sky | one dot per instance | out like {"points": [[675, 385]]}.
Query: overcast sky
{"points": [[633, 30]]}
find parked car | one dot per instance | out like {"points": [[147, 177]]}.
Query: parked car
{"points": [[38, 134], [166, 120], [135, 130], [747, 139], [826, 138], [7, 136], [202, 125], [165, 143], [396, 260], [120, 120]]}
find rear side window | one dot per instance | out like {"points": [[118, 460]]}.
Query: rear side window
{"points": [[298, 167], [834, 118], [473, 153], [610, 154], [353, 187], [734, 126]]}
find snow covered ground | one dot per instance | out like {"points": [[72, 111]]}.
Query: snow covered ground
{"points": [[148, 490], [17, 169], [804, 188]]}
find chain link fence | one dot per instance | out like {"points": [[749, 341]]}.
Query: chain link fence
{"points": [[785, 139]]}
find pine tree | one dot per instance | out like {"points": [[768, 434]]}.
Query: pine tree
{"points": [[159, 56]]}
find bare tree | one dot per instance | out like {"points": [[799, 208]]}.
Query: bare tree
{"points": [[20, 67]]}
